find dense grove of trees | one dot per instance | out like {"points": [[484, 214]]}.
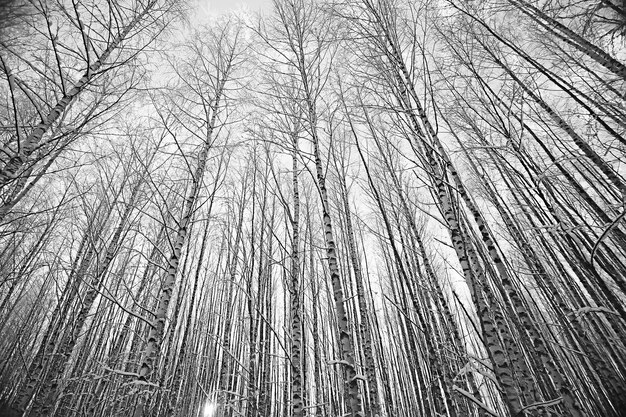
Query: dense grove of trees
{"points": [[343, 208]]}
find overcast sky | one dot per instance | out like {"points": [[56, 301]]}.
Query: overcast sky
{"points": [[219, 6]]}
